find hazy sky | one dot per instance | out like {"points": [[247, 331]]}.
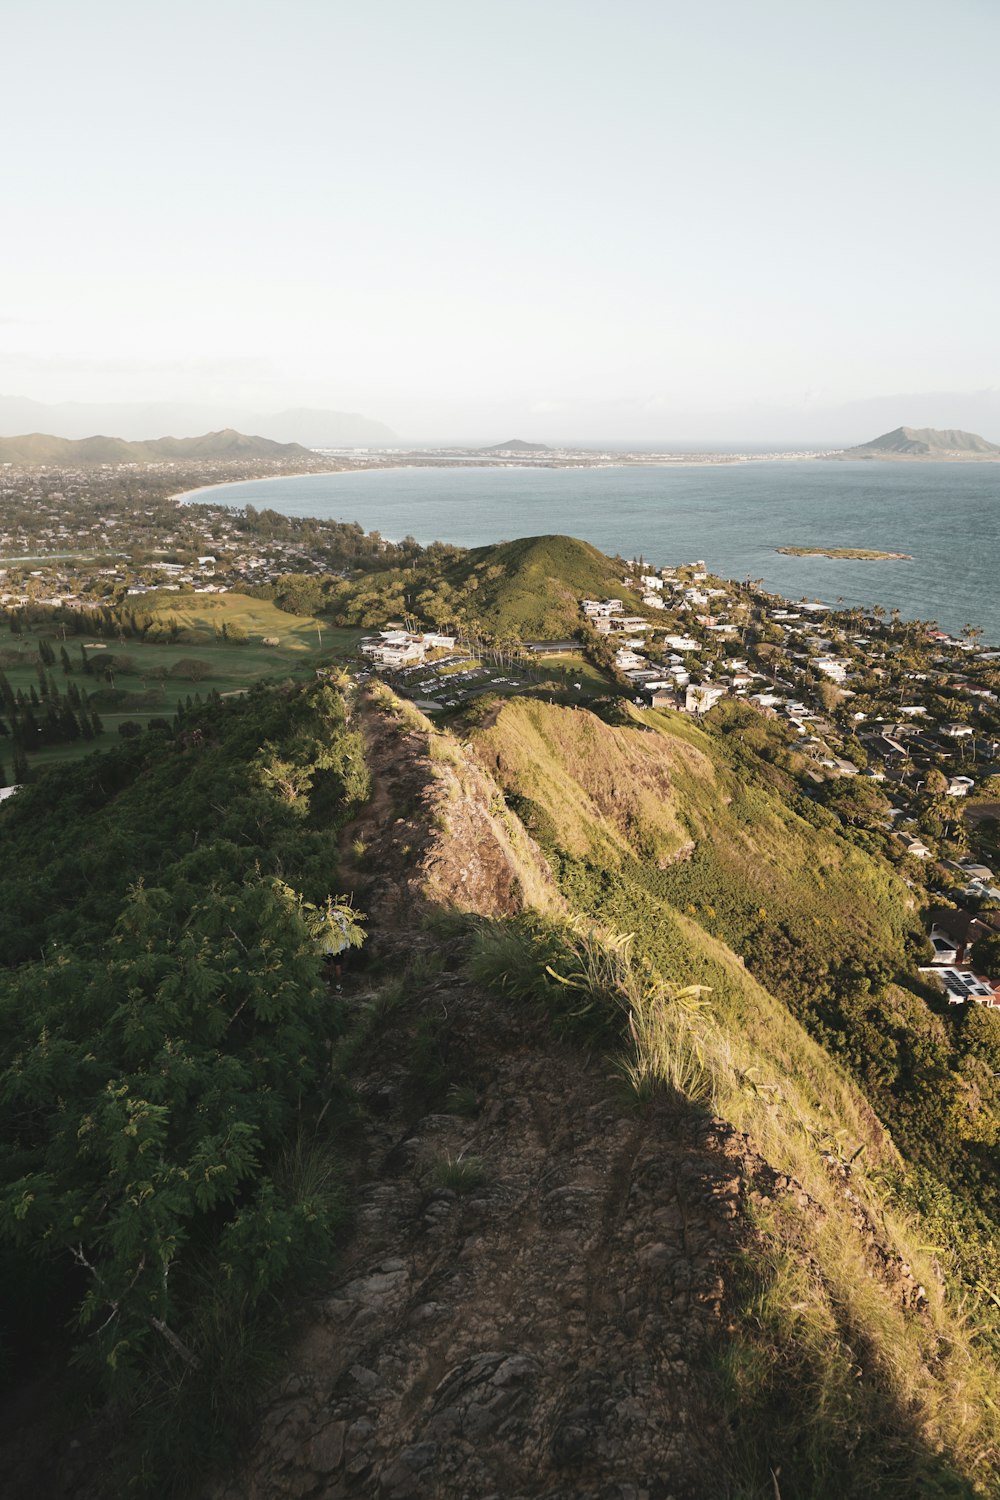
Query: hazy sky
{"points": [[435, 211]]}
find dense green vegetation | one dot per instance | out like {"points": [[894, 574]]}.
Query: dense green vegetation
{"points": [[164, 1064], [528, 589]]}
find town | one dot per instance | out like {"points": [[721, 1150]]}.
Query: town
{"points": [[892, 726]]}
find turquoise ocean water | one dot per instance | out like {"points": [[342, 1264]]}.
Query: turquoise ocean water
{"points": [[734, 516]]}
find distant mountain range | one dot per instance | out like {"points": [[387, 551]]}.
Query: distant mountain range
{"points": [[133, 420], [40, 448], [925, 442]]}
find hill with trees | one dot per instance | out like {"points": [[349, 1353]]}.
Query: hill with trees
{"points": [[527, 589]]}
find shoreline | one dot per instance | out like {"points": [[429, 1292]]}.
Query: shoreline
{"points": [[694, 461]]}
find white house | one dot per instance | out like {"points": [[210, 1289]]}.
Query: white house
{"points": [[702, 696]]}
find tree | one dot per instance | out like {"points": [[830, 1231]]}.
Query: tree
{"points": [[172, 1074], [857, 802], [985, 954]]}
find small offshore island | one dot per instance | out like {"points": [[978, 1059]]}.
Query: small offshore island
{"points": [[853, 554]]}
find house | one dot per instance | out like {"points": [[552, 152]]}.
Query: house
{"points": [[700, 697], [913, 845], [961, 986], [629, 622], [833, 667], [945, 951], [970, 868], [955, 929], [960, 786], [957, 731], [393, 653], [394, 648], [839, 765], [550, 648]]}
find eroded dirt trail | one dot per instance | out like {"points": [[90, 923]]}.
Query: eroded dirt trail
{"points": [[545, 1332]]}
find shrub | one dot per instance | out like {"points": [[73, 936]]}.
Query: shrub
{"points": [[462, 1174]]}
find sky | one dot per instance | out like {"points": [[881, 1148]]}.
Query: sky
{"points": [[635, 215]]}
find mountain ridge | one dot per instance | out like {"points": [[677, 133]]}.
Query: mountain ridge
{"points": [[132, 420], [44, 448]]}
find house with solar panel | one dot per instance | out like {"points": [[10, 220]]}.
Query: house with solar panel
{"points": [[962, 987]]}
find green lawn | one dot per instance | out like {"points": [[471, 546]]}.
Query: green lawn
{"points": [[199, 661], [571, 668]]}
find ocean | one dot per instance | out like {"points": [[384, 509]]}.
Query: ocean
{"points": [[735, 516]]}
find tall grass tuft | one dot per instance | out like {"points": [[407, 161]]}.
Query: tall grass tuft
{"points": [[827, 1376]]}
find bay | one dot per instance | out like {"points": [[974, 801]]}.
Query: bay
{"points": [[735, 516]]}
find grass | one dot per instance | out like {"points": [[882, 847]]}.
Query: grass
{"points": [[844, 1389], [226, 666], [257, 617], [595, 791], [462, 1099], [461, 1174], [827, 1377]]}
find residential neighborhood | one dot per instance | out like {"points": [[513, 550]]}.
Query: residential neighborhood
{"points": [[894, 726]]}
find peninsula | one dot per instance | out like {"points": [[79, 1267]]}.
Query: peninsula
{"points": [[852, 554], [947, 445]]}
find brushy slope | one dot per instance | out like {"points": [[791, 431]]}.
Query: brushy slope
{"points": [[531, 588], [846, 1330]]}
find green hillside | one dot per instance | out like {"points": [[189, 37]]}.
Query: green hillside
{"points": [[667, 833], [785, 926], [529, 589]]}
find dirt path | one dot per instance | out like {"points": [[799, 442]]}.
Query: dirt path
{"points": [[542, 1333]]}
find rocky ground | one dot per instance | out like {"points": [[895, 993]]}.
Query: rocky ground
{"points": [[530, 1301]]}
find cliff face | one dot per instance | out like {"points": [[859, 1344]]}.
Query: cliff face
{"points": [[557, 1287]]}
